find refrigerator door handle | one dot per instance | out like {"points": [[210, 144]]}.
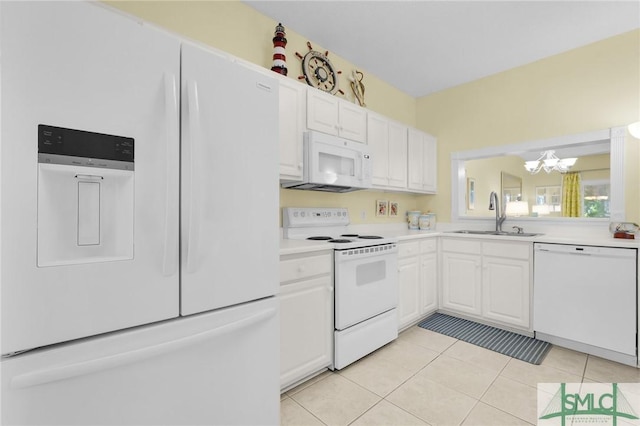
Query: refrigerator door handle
{"points": [[170, 253], [68, 371], [193, 112]]}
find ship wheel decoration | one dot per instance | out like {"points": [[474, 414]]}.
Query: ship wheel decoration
{"points": [[318, 71]]}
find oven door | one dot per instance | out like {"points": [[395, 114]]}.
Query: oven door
{"points": [[366, 283]]}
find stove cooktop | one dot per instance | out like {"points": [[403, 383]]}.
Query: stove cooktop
{"points": [[326, 224], [354, 240], [343, 238]]}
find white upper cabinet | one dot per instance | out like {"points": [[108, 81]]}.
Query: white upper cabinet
{"points": [[330, 114], [291, 120], [422, 162], [388, 142]]}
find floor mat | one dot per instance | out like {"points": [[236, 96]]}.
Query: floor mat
{"points": [[505, 342]]}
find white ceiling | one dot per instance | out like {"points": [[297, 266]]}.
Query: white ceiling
{"points": [[421, 47]]}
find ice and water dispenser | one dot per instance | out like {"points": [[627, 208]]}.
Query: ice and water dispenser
{"points": [[85, 197]]}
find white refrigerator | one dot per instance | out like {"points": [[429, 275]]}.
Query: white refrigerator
{"points": [[138, 225]]}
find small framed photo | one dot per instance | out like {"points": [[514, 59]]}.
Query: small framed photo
{"points": [[393, 208], [381, 207], [471, 193]]}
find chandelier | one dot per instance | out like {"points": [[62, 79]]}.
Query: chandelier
{"points": [[549, 162]]}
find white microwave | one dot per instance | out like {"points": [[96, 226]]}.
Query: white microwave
{"points": [[333, 164]]}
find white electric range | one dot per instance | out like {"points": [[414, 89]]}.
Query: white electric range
{"points": [[365, 280]]}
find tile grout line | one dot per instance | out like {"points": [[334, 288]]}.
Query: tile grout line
{"points": [[305, 409], [479, 400], [412, 376]]}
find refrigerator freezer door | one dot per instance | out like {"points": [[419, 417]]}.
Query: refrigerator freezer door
{"points": [[77, 65], [217, 368], [229, 197]]}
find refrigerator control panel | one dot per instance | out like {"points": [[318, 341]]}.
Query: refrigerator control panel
{"points": [[85, 197], [57, 145]]}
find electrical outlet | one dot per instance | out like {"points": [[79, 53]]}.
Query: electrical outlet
{"points": [[363, 215]]}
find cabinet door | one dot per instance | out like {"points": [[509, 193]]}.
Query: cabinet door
{"points": [[461, 277], [306, 324], [422, 162], [428, 283], [292, 108], [397, 154], [429, 164], [415, 147], [353, 121], [378, 140], [322, 112], [409, 291], [505, 290]]}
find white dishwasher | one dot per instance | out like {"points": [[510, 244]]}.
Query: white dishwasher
{"points": [[585, 297]]}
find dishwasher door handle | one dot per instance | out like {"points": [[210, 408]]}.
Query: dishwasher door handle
{"points": [[576, 250]]}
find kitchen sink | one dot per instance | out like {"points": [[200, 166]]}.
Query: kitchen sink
{"points": [[504, 234]]}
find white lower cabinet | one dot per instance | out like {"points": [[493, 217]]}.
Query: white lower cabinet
{"points": [[408, 286], [428, 276], [506, 279], [461, 276], [306, 316], [488, 280], [417, 280]]}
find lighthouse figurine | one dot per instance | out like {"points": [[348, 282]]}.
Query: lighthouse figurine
{"points": [[279, 57]]}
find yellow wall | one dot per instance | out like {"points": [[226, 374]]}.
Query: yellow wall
{"points": [[236, 28], [586, 89], [632, 178]]}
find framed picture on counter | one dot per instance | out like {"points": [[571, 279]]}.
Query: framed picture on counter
{"points": [[381, 207], [393, 208]]}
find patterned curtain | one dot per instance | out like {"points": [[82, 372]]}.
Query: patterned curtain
{"points": [[571, 195]]}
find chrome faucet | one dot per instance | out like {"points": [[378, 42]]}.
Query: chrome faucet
{"points": [[494, 204]]}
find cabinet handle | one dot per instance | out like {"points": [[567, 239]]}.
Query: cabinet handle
{"points": [[299, 166]]}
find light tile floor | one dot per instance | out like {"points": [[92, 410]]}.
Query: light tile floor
{"points": [[426, 378]]}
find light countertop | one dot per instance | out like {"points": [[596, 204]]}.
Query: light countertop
{"points": [[304, 246]]}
